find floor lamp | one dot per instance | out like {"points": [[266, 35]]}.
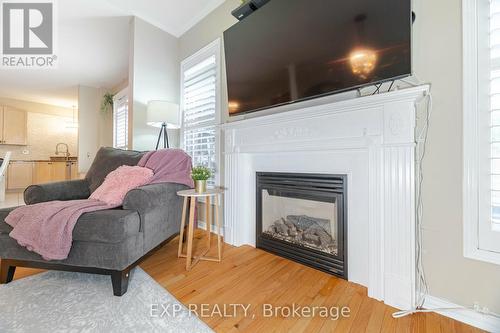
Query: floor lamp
{"points": [[163, 115]]}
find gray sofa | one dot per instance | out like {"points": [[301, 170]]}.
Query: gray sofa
{"points": [[107, 242]]}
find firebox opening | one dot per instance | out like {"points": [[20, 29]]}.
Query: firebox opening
{"points": [[306, 223], [302, 217]]}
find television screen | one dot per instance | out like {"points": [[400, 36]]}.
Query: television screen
{"points": [[292, 50]]}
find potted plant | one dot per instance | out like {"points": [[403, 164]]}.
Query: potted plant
{"points": [[200, 174], [107, 102]]}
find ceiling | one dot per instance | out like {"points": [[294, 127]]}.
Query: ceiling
{"points": [[173, 16], [93, 46]]}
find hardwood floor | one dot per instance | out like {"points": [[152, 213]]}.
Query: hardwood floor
{"points": [[253, 277]]}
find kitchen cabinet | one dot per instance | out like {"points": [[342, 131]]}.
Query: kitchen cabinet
{"points": [[13, 126], [42, 172], [22, 174], [19, 175], [60, 171], [74, 171], [46, 172]]}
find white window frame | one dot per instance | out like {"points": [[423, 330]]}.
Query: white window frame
{"points": [[214, 48], [119, 95], [473, 207]]}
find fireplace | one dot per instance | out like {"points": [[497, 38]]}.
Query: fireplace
{"points": [[372, 140], [303, 217]]}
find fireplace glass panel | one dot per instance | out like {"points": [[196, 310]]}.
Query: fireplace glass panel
{"points": [[303, 222]]}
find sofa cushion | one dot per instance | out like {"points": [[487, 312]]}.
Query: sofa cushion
{"points": [[105, 226], [4, 227], [107, 160], [114, 256]]}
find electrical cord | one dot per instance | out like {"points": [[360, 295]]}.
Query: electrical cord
{"points": [[422, 287], [404, 313]]}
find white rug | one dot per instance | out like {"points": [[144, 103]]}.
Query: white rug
{"points": [[76, 302]]}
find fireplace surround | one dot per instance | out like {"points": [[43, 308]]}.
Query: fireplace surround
{"points": [[302, 217], [369, 139]]}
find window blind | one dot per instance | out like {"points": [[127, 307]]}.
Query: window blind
{"points": [[120, 123], [199, 112], [494, 50]]}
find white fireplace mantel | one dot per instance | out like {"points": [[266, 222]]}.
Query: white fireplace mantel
{"points": [[372, 141]]}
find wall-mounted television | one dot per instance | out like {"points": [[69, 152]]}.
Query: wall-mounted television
{"points": [[293, 50]]}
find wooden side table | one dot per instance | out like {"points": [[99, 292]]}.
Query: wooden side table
{"points": [[193, 195]]}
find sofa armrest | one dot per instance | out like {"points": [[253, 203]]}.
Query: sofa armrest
{"points": [[66, 190], [159, 209], [149, 197]]}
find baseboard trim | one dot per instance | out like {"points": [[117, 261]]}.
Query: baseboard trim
{"points": [[203, 225], [468, 316]]}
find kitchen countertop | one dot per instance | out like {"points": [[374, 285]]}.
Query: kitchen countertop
{"points": [[72, 160]]}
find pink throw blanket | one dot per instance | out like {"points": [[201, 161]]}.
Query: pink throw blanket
{"points": [[47, 228], [169, 166]]}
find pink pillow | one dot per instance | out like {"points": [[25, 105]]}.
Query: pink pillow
{"points": [[118, 182]]}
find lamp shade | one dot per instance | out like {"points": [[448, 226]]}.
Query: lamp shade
{"points": [[160, 112]]}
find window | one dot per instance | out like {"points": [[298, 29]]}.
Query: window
{"points": [[494, 108], [200, 104], [120, 120], [481, 121]]}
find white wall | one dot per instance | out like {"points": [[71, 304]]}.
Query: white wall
{"points": [[89, 100], [154, 75], [95, 128], [437, 59]]}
